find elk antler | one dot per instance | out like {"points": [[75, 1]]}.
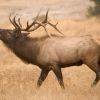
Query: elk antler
{"points": [[44, 23], [18, 25], [35, 23], [12, 22]]}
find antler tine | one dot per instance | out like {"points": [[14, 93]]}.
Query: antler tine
{"points": [[46, 17], [19, 22], [29, 26], [12, 21], [55, 27]]}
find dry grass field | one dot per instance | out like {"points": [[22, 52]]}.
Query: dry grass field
{"points": [[18, 80]]}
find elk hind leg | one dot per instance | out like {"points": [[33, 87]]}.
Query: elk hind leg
{"points": [[96, 68], [97, 78]]}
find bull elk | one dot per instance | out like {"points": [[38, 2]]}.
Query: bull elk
{"points": [[51, 53]]}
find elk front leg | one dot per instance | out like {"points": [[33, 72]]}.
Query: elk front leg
{"points": [[42, 77]]}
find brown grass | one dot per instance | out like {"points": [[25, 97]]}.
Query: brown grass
{"points": [[18, 80]]}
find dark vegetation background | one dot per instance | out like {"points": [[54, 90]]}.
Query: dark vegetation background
{"points": [[94, 10]]}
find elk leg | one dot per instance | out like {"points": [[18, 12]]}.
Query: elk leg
{"points": [[96, 69], [94, 66], [97, 72], [42, 77], [96, 79], [59, 76]]}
